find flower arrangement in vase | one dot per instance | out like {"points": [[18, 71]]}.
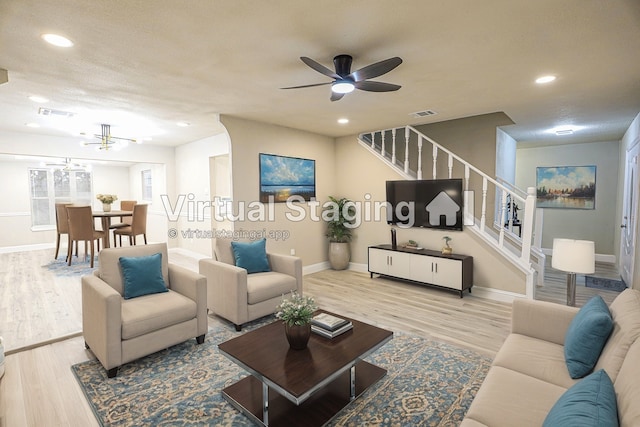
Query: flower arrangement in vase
{"points": [[296, 312], [107, 200]]}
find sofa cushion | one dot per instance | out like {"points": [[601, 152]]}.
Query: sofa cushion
{"points": [[625, 310], [252, 256], [508, 398], [536, 358], [156, 311], [264, 286], [109, 269], [627, 389], [591, 402], [142, 275], [587, 335]]}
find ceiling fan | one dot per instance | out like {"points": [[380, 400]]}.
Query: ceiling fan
{"points": [[346, 81]]}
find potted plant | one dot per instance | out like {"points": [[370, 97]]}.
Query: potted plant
{"points": [[296, 313], [107, 200], [447, 250], [340, 215]]}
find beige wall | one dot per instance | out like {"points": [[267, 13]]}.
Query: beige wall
{"points": [[248, 139], [598, 225]]}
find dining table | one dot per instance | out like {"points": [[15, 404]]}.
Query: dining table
{"points": [[105, 217]]}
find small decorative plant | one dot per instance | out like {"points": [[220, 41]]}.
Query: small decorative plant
{"points": [[107, 199], [339, 225], [447, 249], [296, 310]]}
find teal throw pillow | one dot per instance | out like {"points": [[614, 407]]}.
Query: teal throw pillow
{"points": [[590, 402], [142, 275], [252, 256], [586, 336]]}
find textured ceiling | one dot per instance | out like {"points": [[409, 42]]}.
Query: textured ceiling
{"points": [[142, 66]]}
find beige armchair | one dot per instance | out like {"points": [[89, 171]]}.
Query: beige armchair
{"points": [[119, 330], [240, 297]]}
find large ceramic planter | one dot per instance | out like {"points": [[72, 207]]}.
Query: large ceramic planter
{"points": [[339, 255], [298, 335]]}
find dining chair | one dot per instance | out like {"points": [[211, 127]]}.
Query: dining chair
{"points": [[62, 226], [138, 226], [125, 205], [82, 229]]}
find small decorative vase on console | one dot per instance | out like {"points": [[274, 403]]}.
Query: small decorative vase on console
{"points": [[297, 335], [106, 207]]}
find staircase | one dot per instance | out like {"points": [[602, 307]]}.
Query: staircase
{"points": [[406, 150]]}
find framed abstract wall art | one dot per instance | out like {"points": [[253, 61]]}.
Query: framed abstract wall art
{"points": [[566, 187], [282, 177]]}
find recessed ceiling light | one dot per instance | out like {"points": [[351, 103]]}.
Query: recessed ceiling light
{"points": [[343, 121], [32, 125], [545, 79], [183, 124], [57, 40], [38, 99]]}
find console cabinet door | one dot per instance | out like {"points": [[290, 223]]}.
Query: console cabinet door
{"points": [[399, 264], [447, 272], [422, 268], [379, 261]]}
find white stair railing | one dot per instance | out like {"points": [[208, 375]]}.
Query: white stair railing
{"points": [[493, 224]]}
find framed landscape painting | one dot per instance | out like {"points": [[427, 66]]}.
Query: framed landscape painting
{"points": [[566, 187], [282, 177]]}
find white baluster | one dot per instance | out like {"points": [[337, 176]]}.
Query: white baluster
{"points": [[434, 156], [419, 156], [527, 223], [382, 153], [406, 149], [393, 146], [483, 217], [467, 173], [373, 139], [450, 165], [503, 210]]}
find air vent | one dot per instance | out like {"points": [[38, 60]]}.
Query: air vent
{"points": [[54, 113], [424, 113]]}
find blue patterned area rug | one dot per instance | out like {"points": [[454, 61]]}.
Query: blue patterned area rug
{"points": [[604, 283], [78, 267], [429, 383]]}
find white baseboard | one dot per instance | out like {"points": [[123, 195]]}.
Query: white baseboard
{"points": [[359, 267], [26, 248], [314, 268], [495, 294]]}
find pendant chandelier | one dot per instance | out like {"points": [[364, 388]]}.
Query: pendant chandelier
{"points": [[108, 141]]}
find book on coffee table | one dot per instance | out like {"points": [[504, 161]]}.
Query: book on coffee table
{"points": [[331, 334], [328, 322]]}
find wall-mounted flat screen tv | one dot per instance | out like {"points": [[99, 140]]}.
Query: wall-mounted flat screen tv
{"points": [[425, 203], [282, 177]]}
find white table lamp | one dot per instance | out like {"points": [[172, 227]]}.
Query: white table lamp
{"points": [[573, 256]]}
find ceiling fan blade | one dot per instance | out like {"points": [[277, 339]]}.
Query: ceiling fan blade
{"points": [[375, 70], [336, 96], [303, 86], [376, 86], [319, 67]]}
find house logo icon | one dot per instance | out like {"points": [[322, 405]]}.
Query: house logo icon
{"points": [[442, 205]]}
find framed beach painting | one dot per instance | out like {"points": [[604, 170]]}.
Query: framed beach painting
{"points": [[282, 177], [566, 187]]}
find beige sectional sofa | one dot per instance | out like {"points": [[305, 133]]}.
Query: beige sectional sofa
{"points": [[529, 373]]}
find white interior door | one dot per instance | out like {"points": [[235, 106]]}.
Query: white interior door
{"points": [[629, 215]]}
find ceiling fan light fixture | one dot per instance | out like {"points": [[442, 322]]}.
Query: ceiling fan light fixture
{"points": [[342, 86]]}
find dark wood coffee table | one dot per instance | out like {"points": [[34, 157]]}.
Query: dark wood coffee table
{"points": [[310, 386]]}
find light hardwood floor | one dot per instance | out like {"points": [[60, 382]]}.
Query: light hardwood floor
{"points": [[39, 389]]}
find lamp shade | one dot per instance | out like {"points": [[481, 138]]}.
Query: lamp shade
{"points": [[574, 256]]}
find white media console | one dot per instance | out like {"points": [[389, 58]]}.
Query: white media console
{"points": [[422, 266]]}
